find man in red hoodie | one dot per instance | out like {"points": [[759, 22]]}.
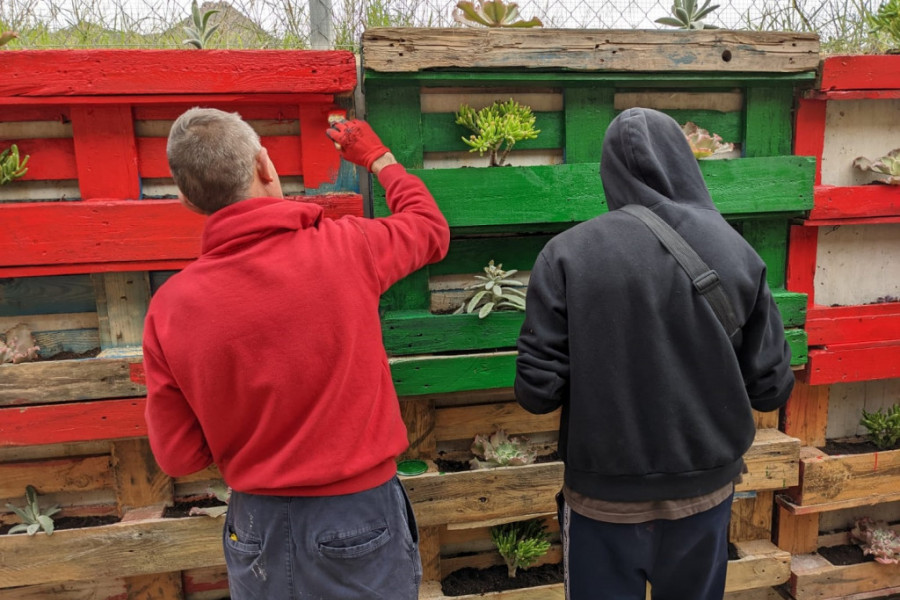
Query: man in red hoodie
{"points": [[264, 356]]}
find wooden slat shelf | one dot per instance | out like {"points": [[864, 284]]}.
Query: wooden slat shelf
{"points": [[843, 481], [878, 72], [813, 577]]}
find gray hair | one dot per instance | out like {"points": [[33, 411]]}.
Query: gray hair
{"points": [[212, 156]]}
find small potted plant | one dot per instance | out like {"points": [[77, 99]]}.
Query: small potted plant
{"points": [[497, 128], [496, 291], [886, 169], [877, 540], [520, 543]]}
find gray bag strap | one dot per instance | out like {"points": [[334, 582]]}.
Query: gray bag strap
{"points": [[706, 280]]}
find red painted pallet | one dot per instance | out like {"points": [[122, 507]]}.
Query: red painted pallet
{"points": [[847, 343]]}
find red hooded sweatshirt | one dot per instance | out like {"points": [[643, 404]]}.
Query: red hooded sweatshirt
{"points": [[265, 355]]}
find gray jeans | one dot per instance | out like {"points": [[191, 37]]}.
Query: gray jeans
{"points": [[358, 546]]}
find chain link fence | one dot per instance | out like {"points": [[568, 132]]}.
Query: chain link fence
{"points": [[841, 24]]}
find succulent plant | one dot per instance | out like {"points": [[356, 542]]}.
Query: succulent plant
{"points": [[7, 36], [497, 128], [888, 166], [33, 519], [703, 143], [884, 427], [886, 21], [500, 450], [876, 539], [11, 167], [686, 15], [222, 493], [496, 290], [199, 32], [492, 13], [19, 347], [520, 543]]}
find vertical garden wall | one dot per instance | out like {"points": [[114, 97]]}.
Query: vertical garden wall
{"points": [[93, 229], [454, 371]]}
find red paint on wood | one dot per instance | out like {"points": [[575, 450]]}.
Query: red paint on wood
{"points": [[31, 112], [809, 137], [110, 235], [864, 201], [842, 363], [872, 72], [853, 95], [829, 325], [801, 265], [72, 422], [193, 585], [51, 159], [284, 150], [145, 72], [105, 151], [185, 101], [137, 373], [321, 160]]}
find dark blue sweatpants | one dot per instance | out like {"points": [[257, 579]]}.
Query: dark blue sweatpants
{"points": [[684, 559], [360, 546]]}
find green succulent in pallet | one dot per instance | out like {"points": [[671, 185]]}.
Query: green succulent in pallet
{"points": [[501, 450], [520, 543], [886, 168], [33, 519], [496, 290], [687, 15], [876, 539], [497, 128], [492, 13], [11, 166], [883, 427], [200, 32]]}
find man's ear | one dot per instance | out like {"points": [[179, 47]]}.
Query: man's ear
{"points": [[188, 204], [264, 167]]}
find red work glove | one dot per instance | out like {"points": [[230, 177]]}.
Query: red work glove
{"points": [[357, 142]]}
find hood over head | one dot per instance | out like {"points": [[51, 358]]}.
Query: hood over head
{"points": [[249, 220], [646, 160]]}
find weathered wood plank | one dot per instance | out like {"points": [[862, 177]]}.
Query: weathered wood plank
{"points": [[797, 534], [806, 413], [772, 462], [571, 193], [410, 50], [122, 301], [104, 589], [751, 518], [854, 362], [64, 475], [119, 550], [67, 381], [139, 480], [72, 422], [52, 322], [760, 564], [814, 578], [464, 422], [848, 479], [154, 586], [419, 417]]}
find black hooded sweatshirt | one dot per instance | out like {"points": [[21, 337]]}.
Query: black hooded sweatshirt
{"points": [[656, 399]]}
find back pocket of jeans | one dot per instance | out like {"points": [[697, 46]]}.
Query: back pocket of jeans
{"points": [[354, 543]]}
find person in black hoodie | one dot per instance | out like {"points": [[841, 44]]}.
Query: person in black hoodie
{"points": [[656, 396]]}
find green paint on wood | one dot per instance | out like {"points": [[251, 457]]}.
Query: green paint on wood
{"points": [[791, 305], [797, 340], [395, 115], [769, 238], [589, 111], [409, 292], [729, 126], [442, 134], [573, 193], [471, 255], [434, 375], [768, 121]]}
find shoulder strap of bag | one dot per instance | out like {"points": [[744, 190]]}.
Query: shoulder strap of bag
{"points": [[706, 280]]}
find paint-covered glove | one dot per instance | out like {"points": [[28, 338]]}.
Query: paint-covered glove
{"points": [[357, 142]]}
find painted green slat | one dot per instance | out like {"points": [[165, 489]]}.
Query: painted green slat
{"points": [[471, 255], [433, 375], [441, 374], [409, 292], [395, 115], [729, 126], [570, 193], [419, 332], [630, 79], [47, 295], [589, 111], [797, 340], [792, 307], [769, 125], [769, 238], [442, 134]]}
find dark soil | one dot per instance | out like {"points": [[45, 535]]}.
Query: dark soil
{"points": [[72, 523], [457, 466], [495, 579], [66, 355], [181, 509], [852, 446], [848, 554]]}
